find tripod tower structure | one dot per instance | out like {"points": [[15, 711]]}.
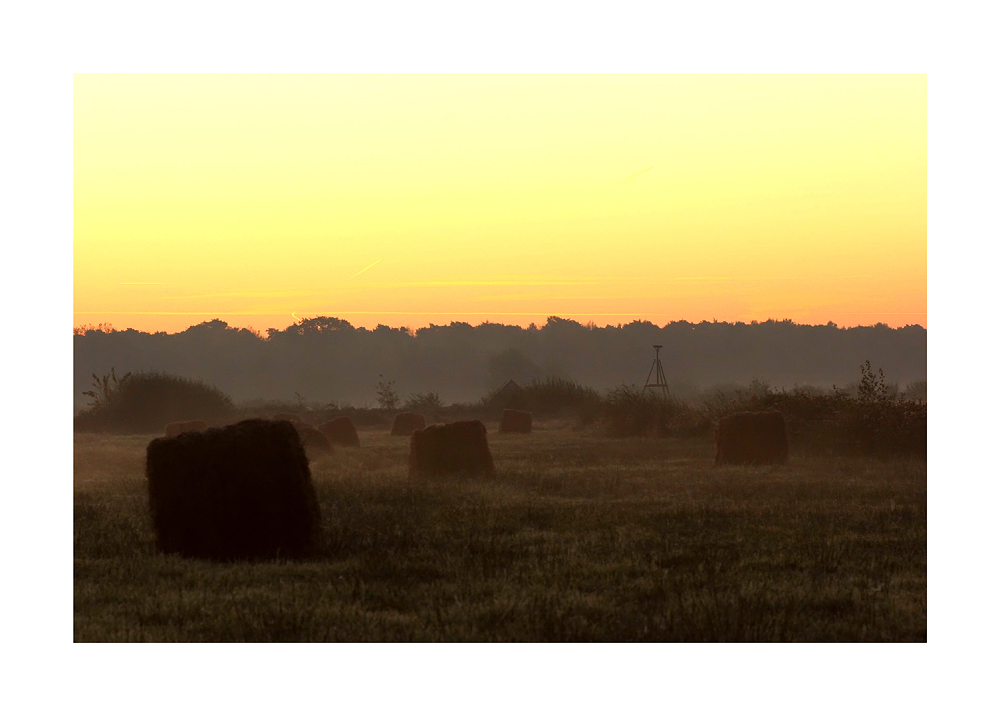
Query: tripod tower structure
{"points": [[660, 381]]}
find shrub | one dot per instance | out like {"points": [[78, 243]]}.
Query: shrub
{"points": [[627, 411], [872, 388], [553, 395], [550, 396], [916, 390], [423, 403], [884, 427], [878, 422], [145, 402], [104, 388], [869, 420], [388, 398], [810, 417]]}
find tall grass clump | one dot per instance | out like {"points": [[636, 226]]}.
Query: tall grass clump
{"points": [[557, 395], [428, 403], [627, 411], [549, 397], [144, 402]]}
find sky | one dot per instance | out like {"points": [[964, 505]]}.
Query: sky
{"points": [[408, 200]]}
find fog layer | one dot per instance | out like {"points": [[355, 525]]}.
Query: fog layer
{"points": [[327, 360]]}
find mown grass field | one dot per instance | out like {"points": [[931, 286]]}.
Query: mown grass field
{"points": [[580, 538]]}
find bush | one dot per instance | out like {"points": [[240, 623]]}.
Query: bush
{"points": [[884, 427], [145, 402], [627, 411], [916, 390], [551, 396], [869, 420], [429, 403], [388, 398]]}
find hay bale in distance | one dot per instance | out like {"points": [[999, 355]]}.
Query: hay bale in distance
{"points": [[406, 423], [314, 442], [515, 421], [340, 431], [243, 491], [184, 426], [451, 448], [290, 417], [751, 439]]}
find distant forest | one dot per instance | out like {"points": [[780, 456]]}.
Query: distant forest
{"points": [[327, 360]]}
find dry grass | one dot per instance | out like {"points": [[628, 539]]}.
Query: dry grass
{"points": [[580, 537]]}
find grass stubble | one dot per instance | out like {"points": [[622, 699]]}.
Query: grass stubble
{"points": [[579, 538]]}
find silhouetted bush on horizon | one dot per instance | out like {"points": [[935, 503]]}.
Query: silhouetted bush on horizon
{"points": [[628, 411], [872, 421], [916, 390], [146, 402], [548, 397]]}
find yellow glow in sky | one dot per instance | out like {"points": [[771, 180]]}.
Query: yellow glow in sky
{"points": [[416, 199]]}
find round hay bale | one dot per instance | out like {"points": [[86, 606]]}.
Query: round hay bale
{"points": [[452, 448], [340, 431], [515, 421], [290, 417], [406, 423], [184, 426], [242, 491], [314, 442], [751, 439]]}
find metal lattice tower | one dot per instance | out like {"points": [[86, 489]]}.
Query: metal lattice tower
{"points": [[661, 379]]}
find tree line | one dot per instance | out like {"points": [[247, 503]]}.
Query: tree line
{"points": [[328, 360]]}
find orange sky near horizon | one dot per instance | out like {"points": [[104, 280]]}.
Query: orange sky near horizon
{"points": [[417, 199]]}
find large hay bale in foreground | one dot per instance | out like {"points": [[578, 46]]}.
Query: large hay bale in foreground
{"points": [[515, 421], [184, 426], [314, 442], [406, 423], [290, 417], [243, 491], [751, 439], [340, 431], [451, 448]]}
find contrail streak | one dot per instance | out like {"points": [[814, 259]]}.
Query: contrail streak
{"points": [[633, 176], [365, 268]]}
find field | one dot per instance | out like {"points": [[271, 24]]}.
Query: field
{"points": [[579, 538]]}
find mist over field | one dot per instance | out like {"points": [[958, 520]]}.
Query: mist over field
{"points": [[326, 359]]}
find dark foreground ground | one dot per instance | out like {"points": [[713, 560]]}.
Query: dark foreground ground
{"points": [[580, 538]]}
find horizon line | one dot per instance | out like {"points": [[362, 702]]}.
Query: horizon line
{"points": [[298, 320]]}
